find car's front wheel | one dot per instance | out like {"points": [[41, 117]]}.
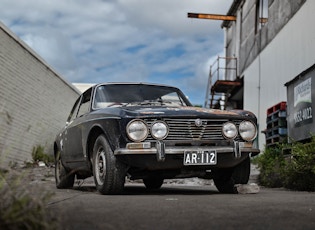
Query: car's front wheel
{"points": [[241, 172], [226, 179], [64, 178], [109, 173]]}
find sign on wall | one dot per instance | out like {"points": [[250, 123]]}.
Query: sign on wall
{"points": [[300, 105], [303, 103]]}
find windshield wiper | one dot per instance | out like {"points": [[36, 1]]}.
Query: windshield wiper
{"points": [[150, 102], [145, 102]]}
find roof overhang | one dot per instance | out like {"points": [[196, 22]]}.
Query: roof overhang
{"points": [[232, 11]]}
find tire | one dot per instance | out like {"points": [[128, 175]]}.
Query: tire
{"points": [[241, 172], [223, 180], [153, 182], [64, 178], [108, 172], [226, 179]]}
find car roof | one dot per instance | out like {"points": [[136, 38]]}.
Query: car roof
{"points": [[130, 83], [133, 83]]}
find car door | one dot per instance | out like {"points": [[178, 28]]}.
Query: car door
{"points": [[77, 125], [64, 145]]}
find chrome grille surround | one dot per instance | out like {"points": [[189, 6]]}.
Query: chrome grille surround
{"points": [[193, 129]]}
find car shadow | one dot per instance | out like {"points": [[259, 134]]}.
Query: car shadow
{"points": [[139, 189], [167, 190]]}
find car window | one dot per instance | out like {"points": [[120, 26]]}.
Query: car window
{"points": [[85, 103], [84, 108], [172, 98], [74, 111]]}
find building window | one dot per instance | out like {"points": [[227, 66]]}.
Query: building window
{"points": [[261, 14]]}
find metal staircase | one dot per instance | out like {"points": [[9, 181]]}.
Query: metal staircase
{"points": [[223, 82]]}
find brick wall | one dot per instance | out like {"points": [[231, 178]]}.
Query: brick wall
{"points": [[34, 100]]}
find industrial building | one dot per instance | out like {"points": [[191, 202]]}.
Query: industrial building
{"points": [[267, 44]]}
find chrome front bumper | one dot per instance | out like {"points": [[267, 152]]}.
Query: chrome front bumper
{"points": [[160, 150]]}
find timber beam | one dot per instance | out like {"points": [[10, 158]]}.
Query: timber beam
{"points": [[212, 16]]}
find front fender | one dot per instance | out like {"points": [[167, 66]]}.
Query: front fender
{"points": [[108, 127]]}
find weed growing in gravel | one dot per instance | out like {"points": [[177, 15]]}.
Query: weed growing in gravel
{"points": [[38, 154], [294, 171], [300, 169], [22, 207], [271, 164]]}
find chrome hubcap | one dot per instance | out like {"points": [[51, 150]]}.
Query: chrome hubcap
{"points": [[100, 166]]}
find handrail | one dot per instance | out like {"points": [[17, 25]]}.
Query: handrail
{"points": [[219, 71]]}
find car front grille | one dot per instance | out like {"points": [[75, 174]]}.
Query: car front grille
{"points": [[186, 129]]}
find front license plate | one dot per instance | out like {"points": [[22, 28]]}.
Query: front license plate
{"points": [[200, 157]]}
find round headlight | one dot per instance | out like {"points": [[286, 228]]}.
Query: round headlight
{"points": [[229, 130], [248, 130], [137, 130], [159, 130]]}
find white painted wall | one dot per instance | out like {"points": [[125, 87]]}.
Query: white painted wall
{"points": [[34, 100], [82, 86], [288, 54]]}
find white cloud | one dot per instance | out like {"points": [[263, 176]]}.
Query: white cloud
{"points": [[121, 40], [53, 46]]}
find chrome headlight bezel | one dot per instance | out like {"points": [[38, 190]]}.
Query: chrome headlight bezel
{"points": [[137, 130], [248, 130], [229, 130], [159, 130]]}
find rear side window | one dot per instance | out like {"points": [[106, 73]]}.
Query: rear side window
{"points": [[74, 111], [85, 103]]}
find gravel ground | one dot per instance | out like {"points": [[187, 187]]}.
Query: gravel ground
{"points": [[40, 174]]}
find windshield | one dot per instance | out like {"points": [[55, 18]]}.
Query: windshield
{"points": [[137, 94]]}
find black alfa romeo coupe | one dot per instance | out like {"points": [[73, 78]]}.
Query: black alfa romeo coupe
{"points": [[152, 132]]}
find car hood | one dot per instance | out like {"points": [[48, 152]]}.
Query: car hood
{"points": [[136, 111]]}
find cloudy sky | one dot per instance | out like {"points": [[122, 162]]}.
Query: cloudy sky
{"points": [[122, 40]]}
